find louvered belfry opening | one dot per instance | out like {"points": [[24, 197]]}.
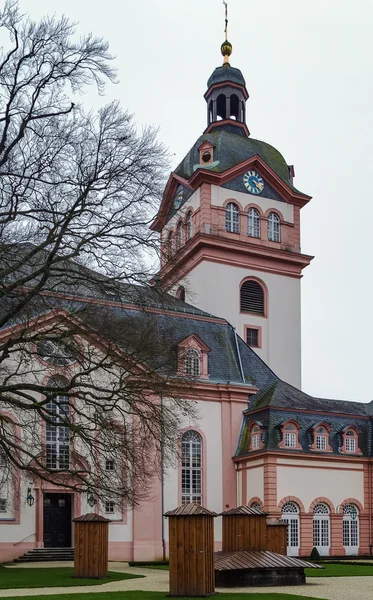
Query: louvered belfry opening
{"points": [[252, 297]]}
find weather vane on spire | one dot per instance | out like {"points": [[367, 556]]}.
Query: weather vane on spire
{"points": [[226, 47], [226, 20]]}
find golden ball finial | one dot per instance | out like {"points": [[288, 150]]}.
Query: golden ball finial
{"points": [[226, 50]]}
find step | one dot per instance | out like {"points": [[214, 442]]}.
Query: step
{"points": [[46, 555]]}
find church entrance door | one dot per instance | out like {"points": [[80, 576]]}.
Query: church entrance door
{"points": [[57, 520]]}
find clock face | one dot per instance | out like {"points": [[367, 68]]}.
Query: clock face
{"points": [[178, 198], [253, 182], [56, 352]]}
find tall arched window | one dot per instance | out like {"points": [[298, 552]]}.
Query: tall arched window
{"points": [[192, 363], [232, 218], [290, 514], [191, 474], [189, 225], [57, 437], [321, 438], [351, 529], [252, 297], [170, 244], [179, 235], [253, 223], [321, 528], [273, 227]]}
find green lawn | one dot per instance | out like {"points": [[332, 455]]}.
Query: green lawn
{"points": [[340, 570], [54, 577], [163, 596]]}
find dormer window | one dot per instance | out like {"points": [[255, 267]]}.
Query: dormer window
{"points": [[192, 363], [193, 357], [290, 436], [350, 441], [256, 437], [321, 438], [206, 154]]}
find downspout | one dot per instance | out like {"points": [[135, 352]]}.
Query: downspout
{"points": [[370, 504], [239, 355], [162, 487]]}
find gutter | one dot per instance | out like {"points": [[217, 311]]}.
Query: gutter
{"points": [[239, 355]]}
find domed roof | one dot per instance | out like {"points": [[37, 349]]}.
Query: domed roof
{"points": [[228, 74], [231, 149]]}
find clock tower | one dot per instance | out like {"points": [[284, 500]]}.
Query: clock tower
{"points": [[230, 229]]}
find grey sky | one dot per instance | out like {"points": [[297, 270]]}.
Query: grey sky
{"points": [[308, 68]]}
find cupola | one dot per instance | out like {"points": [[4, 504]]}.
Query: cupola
{"points": [[226, 95]]}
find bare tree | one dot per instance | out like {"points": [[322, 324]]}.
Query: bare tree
{"points": [[88, 385]]}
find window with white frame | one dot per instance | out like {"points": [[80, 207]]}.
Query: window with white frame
{"points": [[3, 461], [3, 505], [189, 225], [109, 507], [321, 528], [321, 438], [290, 436], [57, 435], [191, 474], [255, 437], [290, 514], [350, 441], [179, 235], [192, 363], [232, 218], [253, 223], [273, 227], [351, 528]]}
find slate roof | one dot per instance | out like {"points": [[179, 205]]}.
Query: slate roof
{"points": [[226, 73], [231, 149], [279, 402]]}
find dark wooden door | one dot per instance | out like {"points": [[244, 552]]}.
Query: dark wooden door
{"points": [[57, 520]]}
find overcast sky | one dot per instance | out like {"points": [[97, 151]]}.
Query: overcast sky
{"points": [[308, 68]]}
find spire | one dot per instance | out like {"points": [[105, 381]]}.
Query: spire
{"points": [[226, 47]]}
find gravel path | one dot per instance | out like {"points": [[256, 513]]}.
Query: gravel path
{"points": [[328, 588]]}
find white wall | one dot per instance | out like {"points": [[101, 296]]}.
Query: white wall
{"points": [[335, 481], [214, 287], [255, 484]]}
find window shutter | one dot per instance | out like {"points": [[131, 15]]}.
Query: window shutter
{"points": [[252, 297]]}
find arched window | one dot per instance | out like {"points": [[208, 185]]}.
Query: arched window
{"points": [[253, 223], [235, 108], [170, 244], [252, 297], [351, 529], [179, 235], [192, 363], [290, 436], [57, 437], [350, 440], [191, 474], [321, 438], [189, 225], [256, 438], [181, 293], [290, 514], [232, 218], [256, 505], [221, 107], [273, 227], [321, 528]]}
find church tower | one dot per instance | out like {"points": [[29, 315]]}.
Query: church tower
{"points": [[230, 229]]}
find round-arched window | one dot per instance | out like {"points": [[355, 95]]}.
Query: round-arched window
{"points": [[351, 528], [191, 473], [290, 514], [179, 235], [57, 436], [232, 218], [321, 528], [192, 363], [253, 223], [252, 297], [189, 225], [273, 227]]}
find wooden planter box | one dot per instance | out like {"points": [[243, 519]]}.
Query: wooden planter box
{"points": [[191, 551], [91, 541]]}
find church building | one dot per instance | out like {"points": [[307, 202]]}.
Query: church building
{"points": [[229, 224]]}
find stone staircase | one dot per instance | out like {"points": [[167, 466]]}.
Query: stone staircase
{"points": [[46, 555]]}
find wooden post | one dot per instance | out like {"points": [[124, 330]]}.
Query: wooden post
{"points": [[276, 536], [244, 528], [191, 550], [91, 539]]}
